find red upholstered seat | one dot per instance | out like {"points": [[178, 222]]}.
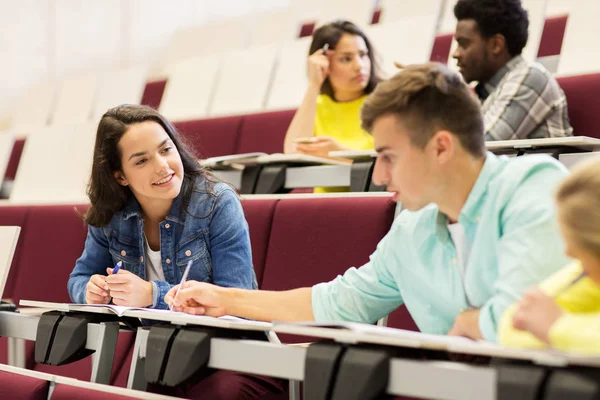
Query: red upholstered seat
{"points": [[13, 216], [552, 36], [581, 92], [259, 214], [211, 137], [153, 93], [15, 386], [15, 157], [67, 392], [264, 132], [53, 241], [441, 48], [314, 240]]}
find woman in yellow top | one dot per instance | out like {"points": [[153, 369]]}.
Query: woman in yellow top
{"points": [[564, 312], [341, 72]]}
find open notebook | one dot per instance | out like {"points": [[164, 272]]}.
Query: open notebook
{"points": [[227, 321]]}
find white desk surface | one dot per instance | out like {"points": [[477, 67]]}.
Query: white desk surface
{"points": [[400, 338], [580, 142]]}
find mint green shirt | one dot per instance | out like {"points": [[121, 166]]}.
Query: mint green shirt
{"points": [[510, 226]]}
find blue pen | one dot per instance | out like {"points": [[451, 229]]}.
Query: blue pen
{"points": [[117, 267], [183, 279]]}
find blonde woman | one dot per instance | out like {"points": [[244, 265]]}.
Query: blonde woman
{"points": [[564, 311]]}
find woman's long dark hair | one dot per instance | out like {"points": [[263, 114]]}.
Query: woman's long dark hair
{"points": [[106, 195], [331, 34]]}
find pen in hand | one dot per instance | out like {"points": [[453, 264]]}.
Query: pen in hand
{"points": [[183, 279]]}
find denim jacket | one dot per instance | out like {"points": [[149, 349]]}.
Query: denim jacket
{"points": [[215, 237]]}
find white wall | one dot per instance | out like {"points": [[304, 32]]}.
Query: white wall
{"points": [[46, 40]]}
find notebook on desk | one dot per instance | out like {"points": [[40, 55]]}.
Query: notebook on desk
{"points": [[9, 236]]}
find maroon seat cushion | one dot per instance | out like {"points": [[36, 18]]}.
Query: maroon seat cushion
{"points": [[581, 91], [53, 241], [15, 386], [67, 392], [441, 48], [153, 93], [314, 240], [13, 161], [211, 137], [264, 132], [259, 214], [552, 36], [14, 216]]}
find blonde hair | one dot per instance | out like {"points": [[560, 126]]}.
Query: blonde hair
{"points": [[578, 199]]}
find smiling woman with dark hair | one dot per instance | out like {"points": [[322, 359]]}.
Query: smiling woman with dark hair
{"points": [[154, 210], [521, 100]]}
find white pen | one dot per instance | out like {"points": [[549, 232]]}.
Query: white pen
{"points": [[183, 279]]}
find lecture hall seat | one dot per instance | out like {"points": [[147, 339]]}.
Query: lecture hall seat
{"points": [[581, 92], [15, 386], [211, 137], [264, 132]]}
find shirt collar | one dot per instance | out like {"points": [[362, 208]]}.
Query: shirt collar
{"points": [[133, 208], [495, 80], [471, 209]]}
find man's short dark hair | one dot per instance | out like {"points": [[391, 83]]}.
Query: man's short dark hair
{"points": [[428, 98], [506, 17]]}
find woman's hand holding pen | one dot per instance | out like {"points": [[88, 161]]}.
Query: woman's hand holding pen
{"points": [[96, 290], [536, 313], [318, 67], [196, 298], [128, 289]]}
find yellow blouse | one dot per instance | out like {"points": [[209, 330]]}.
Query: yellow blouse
{"points": [[341, 121], [578, 330]]}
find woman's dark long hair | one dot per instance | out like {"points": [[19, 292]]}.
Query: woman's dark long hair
{"points": [[106, 195], [331, 34]]}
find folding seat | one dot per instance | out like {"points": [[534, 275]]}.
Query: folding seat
{"points": [[153, 93], [12, 216], [124, 86], [67, 392], [579, 54], [552, 36], [243, 80], [536, 10], [406, 41], [75, 100], [45, 178], [275, 26], [264, 132], [315, 239], [289, 78], [34, 109], [190, 88], [7, 140], [393, 10], [16, 386], [441, 48], [54, 239], [259, 214], [15, 157], [211, 137], [581, 92]]}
